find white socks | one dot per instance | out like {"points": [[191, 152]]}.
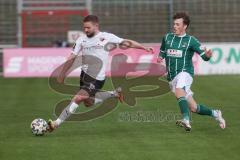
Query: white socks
{"points": [[101, 96], [214, 113], [70, 109]]}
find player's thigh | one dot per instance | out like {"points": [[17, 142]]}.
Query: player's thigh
{"points": [[92, 88], [180, 81], [172, 85], [184, 82], [178, 92], [89, 102], [98, 85]]}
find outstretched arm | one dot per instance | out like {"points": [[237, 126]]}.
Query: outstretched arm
{"points": [[133, 44]]}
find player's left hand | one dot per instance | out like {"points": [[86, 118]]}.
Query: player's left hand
{"points": [[208, 53], [149, 49]]}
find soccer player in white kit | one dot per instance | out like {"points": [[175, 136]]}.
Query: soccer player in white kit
{"points": [[93, 49]]}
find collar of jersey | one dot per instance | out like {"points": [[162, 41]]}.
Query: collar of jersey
{"points": [[95, 35], [181, 35]]}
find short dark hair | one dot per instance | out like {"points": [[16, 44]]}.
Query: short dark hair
{"points": [[184, 16], [91, 18]]}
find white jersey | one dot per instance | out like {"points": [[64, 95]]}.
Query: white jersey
{"points": [[94, 46]]}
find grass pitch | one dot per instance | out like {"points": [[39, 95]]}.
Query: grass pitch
{"points": [[114, 136]]}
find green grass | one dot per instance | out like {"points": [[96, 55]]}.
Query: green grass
{"points": [[108, 138]]}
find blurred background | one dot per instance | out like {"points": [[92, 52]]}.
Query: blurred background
{"points": [[36, 37], [31, 23], [54, 23]]}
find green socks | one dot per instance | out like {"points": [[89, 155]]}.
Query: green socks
{"points": [[183, 104], [201, 109], [204, 110]]}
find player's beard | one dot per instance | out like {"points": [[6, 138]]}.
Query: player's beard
{"points": [[89, 35]]}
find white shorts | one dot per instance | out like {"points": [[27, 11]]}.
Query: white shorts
{"points": [[182, 80]]}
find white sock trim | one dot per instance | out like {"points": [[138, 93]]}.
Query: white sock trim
{"points": [[73, 106], [215, 113], [97, 100], [58, 121]]}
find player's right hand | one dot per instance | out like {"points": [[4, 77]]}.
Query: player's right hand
{"points": [[149, 49], [208, 53], [159, 60]]}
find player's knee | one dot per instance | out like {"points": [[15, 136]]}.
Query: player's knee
{"points": [[179, 92], [88, 104], [193, 109], [79, 98]]}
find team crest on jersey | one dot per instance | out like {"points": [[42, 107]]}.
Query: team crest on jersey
{"points": [[174, 53], [74, 45], [184, 45], [102, 39]]}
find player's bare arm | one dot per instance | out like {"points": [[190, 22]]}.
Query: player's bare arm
{"points": [[133, 44]]}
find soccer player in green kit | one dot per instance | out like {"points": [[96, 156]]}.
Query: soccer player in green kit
{"points": [[177, 49]]}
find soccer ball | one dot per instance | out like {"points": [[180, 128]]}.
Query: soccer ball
{"points": [[39, 126]]}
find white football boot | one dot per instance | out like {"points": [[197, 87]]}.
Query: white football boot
{"points": [[185, 124], [220, 119]]}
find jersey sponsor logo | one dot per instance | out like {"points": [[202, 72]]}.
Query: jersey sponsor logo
{"points": [[90, 48], [174, 53]]}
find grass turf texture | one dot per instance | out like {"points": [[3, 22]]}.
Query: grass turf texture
{"points": [[23, 100]]}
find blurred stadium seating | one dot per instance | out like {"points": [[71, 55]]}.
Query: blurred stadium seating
{"points": [[145, 21], [8, 22]]}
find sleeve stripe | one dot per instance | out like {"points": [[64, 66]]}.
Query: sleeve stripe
{"points": [[166, 37], [202, 54]]}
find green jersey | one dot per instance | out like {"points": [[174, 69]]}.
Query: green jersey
{"points": [[178, 52]]}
